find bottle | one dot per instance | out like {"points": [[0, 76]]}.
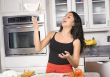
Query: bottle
{"points": [[94, 41]]}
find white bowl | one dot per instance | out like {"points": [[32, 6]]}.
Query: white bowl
{"points": [[31, 6]]}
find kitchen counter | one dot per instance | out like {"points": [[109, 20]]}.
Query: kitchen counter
{"points": [[96, 53]]}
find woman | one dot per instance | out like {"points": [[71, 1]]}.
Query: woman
{"points": [[65, 45]]}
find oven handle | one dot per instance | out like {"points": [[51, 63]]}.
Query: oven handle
{"points": [[29, 26]]}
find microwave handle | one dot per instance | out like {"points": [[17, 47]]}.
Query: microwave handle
{"points": [[24, 27]]}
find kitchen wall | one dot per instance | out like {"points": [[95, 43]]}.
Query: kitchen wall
{"points": [[101, 37]]}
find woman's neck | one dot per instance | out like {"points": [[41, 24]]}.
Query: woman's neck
{"points": [[65, 31]]}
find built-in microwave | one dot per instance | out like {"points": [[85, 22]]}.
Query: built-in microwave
{"points": [[18, 35]]}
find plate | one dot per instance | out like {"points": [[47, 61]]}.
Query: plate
{"points": [[50, 75]]}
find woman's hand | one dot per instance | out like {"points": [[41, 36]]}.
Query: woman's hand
{"points": [[35, 22], [64, 56]]}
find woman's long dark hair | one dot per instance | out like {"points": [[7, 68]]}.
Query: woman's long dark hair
{"points": [[77, 30]]}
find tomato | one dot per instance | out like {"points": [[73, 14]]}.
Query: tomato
{"points": [[78, 72]]}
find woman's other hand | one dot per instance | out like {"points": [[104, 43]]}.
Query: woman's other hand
{"points": [[35, 22], [64, 55]]}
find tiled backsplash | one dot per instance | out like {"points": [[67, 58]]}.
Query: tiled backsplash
{"points": [[98, 50]]}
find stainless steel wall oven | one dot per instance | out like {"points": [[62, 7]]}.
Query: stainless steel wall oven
{"points": [[18, 35]]}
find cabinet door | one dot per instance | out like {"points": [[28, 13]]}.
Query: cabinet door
{"points": [[80, 7], [11, 5], [59, 9], [98, 13]]}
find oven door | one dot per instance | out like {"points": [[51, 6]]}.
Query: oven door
{"points": [[19, 40]]}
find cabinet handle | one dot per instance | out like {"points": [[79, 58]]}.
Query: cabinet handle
{"points": [[108, 22], [86, 23]]}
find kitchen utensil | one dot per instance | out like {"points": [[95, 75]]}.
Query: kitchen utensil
{"points": [[31, 6]]}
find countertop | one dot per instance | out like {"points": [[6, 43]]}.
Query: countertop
{"points": [[96, 53]]}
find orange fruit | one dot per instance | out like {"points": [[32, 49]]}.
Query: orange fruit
{"points": [[71, 74]]}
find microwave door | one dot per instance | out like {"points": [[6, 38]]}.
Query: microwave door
{"points": [[18, 41]]}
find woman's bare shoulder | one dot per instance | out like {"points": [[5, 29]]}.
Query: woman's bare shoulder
{"points": [[51, 34], [76, 41]]}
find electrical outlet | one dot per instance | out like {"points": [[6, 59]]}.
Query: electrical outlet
{"points": [[108, 38]]}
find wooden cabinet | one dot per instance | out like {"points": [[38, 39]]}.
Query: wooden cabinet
{"points": [[94, 13], [17, 6]]}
